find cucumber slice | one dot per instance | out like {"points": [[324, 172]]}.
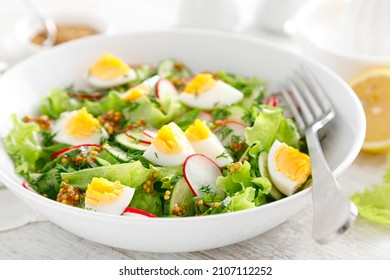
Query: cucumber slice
{"points": [[221, 208], [181, 197], [129, 143], [170, 68], [236, 113], [263, 167], [117, 153]]}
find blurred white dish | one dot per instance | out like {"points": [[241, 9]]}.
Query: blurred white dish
{"points": [[200, 50], [27, 28], [325, 30]]}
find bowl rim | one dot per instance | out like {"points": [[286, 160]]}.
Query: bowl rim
{"points": [[353, 152]]}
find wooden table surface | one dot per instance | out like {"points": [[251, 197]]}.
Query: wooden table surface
{"points": [[291, 240]]}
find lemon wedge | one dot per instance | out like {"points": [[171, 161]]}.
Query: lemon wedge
{"points": [[373, 89]]}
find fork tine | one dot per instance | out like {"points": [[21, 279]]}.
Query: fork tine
{"points": [[317, 90], [308, 94], [293, 109], [304, 110]]}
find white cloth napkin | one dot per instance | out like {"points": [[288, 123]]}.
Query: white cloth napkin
{"points": [[14, 213]]}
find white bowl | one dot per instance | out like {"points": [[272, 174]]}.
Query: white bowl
{"points": [[26, 84], [315, 25]]}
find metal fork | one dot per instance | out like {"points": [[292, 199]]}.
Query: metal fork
{"points": [[311, 108]]}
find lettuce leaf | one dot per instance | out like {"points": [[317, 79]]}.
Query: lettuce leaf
{"points": [[374, 203], [243, 200], [56, 102], [132, 174], [144, 108], [270, 124], [149, 202], [23, 145], [112, 101], [245, 190]]}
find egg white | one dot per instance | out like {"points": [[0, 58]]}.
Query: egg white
{"points": [[213, 149], [162, 158], [116, 207], [284, 184], [154, 155], [220, 94], [96, 82], [58, 128]]}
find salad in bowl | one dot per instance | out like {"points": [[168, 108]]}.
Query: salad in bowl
{"points": [[159, 141], [150, 156]]}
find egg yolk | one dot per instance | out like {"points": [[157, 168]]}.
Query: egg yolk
{"points": [[201, 83], [197, 131], [82, 124], [108, 67], [293, 164], [136, 92], [168, 139], [102, 191]]}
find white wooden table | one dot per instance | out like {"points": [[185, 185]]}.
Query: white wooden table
{"points": [[291, 240]]}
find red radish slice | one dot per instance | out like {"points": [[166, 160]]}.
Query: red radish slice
{"points": [[27, 187], [199, 171], [150, 134], [139, 136], [135, 212], [205, 116], [68, 149], [165, 88], [87, 95], [272, 101], [237, 129]]}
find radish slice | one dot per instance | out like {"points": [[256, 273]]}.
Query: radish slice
{"points": [[199, 171], [150, 134], [27, 187], [139, 136], [68, 149], [135, 212], [236, 128], [87, 95], [205, 116], [165, 89]]}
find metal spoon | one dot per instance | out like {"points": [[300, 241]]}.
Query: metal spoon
{"points": [[47, 21]]}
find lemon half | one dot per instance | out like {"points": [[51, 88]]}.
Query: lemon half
{"points": [[373, 89]]}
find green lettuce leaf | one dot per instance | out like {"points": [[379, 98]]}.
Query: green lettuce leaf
{"points": [[243, 200], [149, 202], [144, 108], [270, 124], [23, 145], [112, 101], [132, 174], [374, 203], [56, 102]]}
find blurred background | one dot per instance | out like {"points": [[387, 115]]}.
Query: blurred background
{"points": [[256, 17]]}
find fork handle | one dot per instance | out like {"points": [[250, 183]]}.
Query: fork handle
{"points": [[334, 213]]}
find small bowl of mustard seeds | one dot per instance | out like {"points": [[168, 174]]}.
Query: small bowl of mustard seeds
{"points": [[30, 32]]}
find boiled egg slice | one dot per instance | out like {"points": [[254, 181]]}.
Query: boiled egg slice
{"points": [[109, 71], [78, 127], [205, 92], [136, 92], [207, 143], [288, 167], [108, 197], [170, 147]]}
